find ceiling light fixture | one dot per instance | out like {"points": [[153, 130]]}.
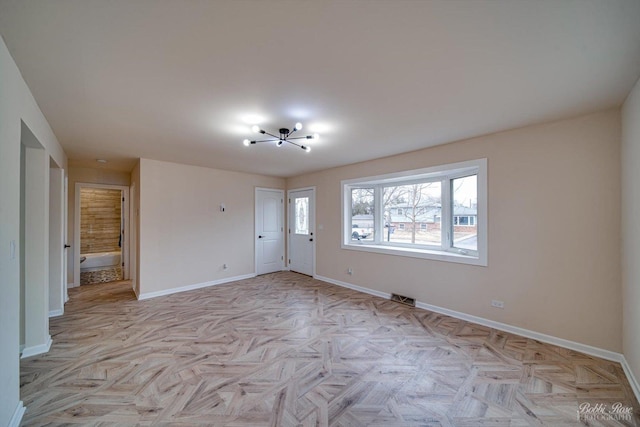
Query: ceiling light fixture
{"points": [[285, 136]]}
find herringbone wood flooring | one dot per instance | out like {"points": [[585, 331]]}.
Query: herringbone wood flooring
{"points": [[286, 350]]}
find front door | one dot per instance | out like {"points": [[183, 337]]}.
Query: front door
{"points": [[269, 231], [301, 231]]}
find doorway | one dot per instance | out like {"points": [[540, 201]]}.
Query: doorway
{"points": [[57, 240], [101, 228], [302, 217], [269, 230], [34, 245]]}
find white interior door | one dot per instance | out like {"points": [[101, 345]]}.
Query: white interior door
{"points": [[65, 238], [269, 230], [301, 231]]}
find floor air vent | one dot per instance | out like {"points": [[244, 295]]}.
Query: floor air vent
{"points": [[403, 300]]}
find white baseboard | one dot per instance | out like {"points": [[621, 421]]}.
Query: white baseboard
{"points": [[16, 419], [163, 292], [633, 381], [380, 294], [560, 342], [37, 349], [56, 313], [71, 285]]}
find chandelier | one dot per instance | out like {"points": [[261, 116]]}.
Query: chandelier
{"points": [[285, 136]]}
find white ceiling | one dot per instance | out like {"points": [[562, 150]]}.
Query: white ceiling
{"points": [[178, 80]]}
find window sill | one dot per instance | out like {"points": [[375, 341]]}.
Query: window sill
{"points": [[417, 253]]}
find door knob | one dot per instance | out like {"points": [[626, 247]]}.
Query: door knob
{"points": [[259, 237], [67, 246], [311, 240]]}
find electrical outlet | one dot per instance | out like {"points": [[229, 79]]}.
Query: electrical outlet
{"points": [[224, 266], [350, 271], [497, 304]]}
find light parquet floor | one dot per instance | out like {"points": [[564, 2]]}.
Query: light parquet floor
{"points": [[286, 350]]}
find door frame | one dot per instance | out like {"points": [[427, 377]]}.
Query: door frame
{"points": [[289, 224], [124, 255], [57, 241], [133, 238], [66, 237], [255, 226]]}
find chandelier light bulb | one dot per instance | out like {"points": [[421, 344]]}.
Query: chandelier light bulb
{"points": [[285, 135]]}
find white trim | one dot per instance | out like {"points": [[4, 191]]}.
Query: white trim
{"points": [[37, 349], [633, 381], [56, 313], [561, 342], [16, 419], [65, 266], [164, 292], [432, 254], [373, 292], [71, 285]]}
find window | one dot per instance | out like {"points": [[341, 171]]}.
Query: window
{"points": [[422, 200], [434, 213], [302, 215], [362, 214]]}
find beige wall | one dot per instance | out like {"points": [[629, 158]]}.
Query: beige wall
{"points": [[553, 231], [631, 229], [87, 176], [184, 238], [16, 105]]}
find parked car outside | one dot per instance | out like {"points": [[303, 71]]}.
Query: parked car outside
{"points": [[359, 233]]}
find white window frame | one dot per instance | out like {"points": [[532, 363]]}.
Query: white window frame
{"points": [[446, 251]]}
